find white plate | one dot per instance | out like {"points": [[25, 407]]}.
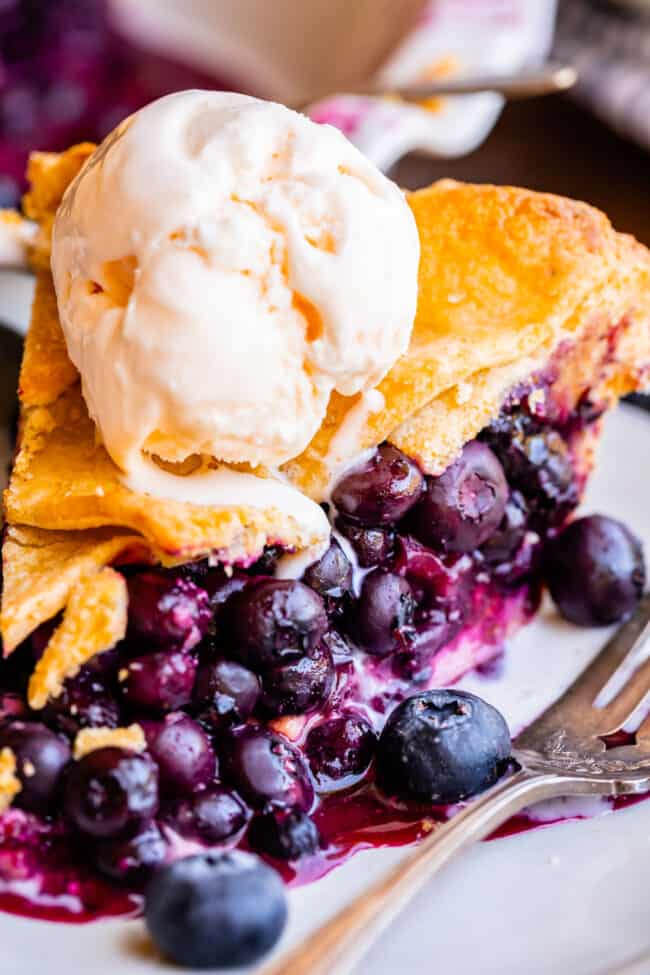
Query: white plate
{"points": [[570, 899]]}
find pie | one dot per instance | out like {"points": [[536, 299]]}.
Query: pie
{"points": [[444, 485]]}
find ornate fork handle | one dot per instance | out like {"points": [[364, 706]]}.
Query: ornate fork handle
{"points": [[336, 947]]}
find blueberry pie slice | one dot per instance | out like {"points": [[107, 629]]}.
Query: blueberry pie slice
{"points": [[211, 647]]}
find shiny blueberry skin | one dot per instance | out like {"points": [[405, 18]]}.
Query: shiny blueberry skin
{"points": [[381, 490], [111, 792], [383, 615], [167, 611], [298, 686], [215, 815], [215, 910], [159, 682], [183, 753], [131, 860], [537, 462], [225, 694], [461, 509], [595, 571], [331, 575], [83, 703], [372, 546], [273, 620], [340, 751], [41, 757], [220, 586], [286, 834], [442, 746], [266, 768]]}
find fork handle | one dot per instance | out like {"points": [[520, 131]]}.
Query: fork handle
{"points": [[337, 946]]}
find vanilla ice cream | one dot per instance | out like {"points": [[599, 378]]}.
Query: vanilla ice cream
{"points": [[222, 264]]}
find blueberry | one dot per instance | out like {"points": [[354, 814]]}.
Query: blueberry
{"points": [[41, 757], [381, 490], [159, 682], [12, 706], [273, 620], [213, 816], [286, 834], [383, 615], [182, 752], [512, 553], [220, 585], [372, 546], [537, 462], [461, 509], [266, 768], [225, 694], [595, 571], [215, 910], [131, 860], [331, 575], [298, 686], [504, 542], [111, 792], [83, 703], [340, 751], [442, 746], [167, 611]]}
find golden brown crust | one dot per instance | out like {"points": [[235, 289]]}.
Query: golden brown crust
{"points": [[505, 276], [10, 784], [41, 569], [93, 622], [90, 739], [46, 370], [49, 175]]}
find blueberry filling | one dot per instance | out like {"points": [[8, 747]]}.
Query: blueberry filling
{"points": [[263, 699]]}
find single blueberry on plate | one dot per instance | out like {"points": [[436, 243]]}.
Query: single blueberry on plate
{"points": [[183, 753], [167, 611], [216, 910], [461, 509], [298, 686], [131, 860], [213, 816], [111, 792], [595, 571], [286, 834], [266, 768], [384, 613], [41, 756], [273, 620], [340, 751], [380, 490], [442, 746]]}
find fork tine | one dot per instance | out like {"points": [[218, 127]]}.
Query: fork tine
{"points": [[623, 704], [627, 638]]}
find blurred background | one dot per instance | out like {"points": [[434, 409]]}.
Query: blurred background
{"points": [[71, 69]]}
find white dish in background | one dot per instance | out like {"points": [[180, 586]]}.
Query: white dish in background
{"points": [[570, 899]]}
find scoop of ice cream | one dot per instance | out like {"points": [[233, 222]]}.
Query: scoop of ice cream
{"points": [[222, 264]]}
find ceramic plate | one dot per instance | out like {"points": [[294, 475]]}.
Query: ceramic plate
{"points": [[570, 898]]}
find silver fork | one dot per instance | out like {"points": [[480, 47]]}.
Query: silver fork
{"points": [[563, 753]]}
